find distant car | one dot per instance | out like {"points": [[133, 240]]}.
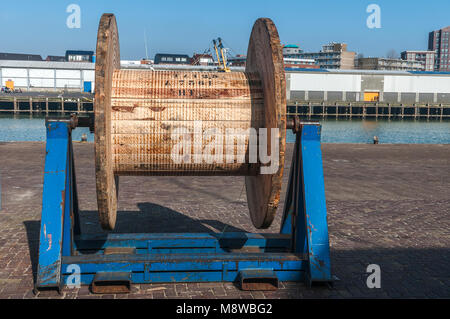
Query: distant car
{"points": [[6, 89]]}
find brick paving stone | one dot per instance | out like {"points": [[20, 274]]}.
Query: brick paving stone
{"points": [[387, 205]]}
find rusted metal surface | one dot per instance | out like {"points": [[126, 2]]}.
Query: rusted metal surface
{"points": [[293, 123], [111, 283], [119, 250], [258, 279]]}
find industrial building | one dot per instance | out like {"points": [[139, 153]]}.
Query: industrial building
{"points": [[350, 85], [56, 58], [20, 56], [367, 86], [438, 42], [70, 56], [48, 75]]}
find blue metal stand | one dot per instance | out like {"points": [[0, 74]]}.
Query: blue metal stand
{"points": [[300, 252]]}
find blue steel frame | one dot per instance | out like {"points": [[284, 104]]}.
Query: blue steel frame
{"points": [[300, 252]]}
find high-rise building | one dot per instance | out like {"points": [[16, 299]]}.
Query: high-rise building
{"points": [[427, 57], [438, 42]]}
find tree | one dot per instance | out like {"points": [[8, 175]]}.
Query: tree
{"points": [[392, 54]]}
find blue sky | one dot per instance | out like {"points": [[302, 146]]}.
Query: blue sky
{"points": [[175, 26]]}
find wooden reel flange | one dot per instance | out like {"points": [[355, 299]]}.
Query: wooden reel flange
{"points": [[138, 113]]}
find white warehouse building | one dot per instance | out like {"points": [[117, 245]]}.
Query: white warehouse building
{"points": [[48, 75], [403, 87], [302, 84]]}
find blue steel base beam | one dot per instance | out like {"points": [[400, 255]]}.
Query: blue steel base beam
{"points": [[196, 267], [185, 243]]}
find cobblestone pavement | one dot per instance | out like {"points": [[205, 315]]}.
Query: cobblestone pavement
{"points": [[387, 205]]}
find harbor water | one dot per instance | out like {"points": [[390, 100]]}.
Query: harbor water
{"points": [[27, 128]]}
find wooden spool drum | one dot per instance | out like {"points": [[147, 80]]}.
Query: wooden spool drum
{"points": [[141, 116]]}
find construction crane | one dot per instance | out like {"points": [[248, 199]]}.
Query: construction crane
{"points": [[222, 62]]}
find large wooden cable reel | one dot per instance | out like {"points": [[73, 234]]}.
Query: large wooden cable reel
{"points": [[138, 111]]}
